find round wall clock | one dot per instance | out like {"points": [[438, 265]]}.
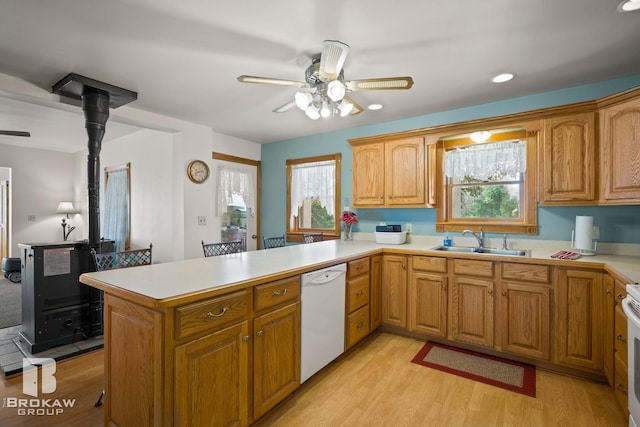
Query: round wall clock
{"points": [[198, 171]]}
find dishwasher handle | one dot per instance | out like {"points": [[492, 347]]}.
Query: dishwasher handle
{"points": [[325, 277]]}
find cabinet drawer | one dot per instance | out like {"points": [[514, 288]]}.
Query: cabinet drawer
{"points": [[473, 267], [275, 293], [529, 272], [357, 267], [211, 314], [620, 386], [430, 263], [357, 326], [357, 293], [620, 338]]}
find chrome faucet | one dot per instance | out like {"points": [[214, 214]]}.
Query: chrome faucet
{"points": [[479, 237]]}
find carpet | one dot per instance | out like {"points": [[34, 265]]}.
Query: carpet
{"points": [[503, 373], [10, 303]]}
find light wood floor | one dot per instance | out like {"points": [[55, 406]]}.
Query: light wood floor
{"points": [[375, 385]]}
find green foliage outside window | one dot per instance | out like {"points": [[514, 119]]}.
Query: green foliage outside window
{"points": [[320, 218]]}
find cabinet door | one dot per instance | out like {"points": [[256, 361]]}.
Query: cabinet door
{"points": [[428, 310], [375, 294], [211, 379], [568, 159], [472, 310], [368, 174], [620, 153], [404, 172], [607, 335], [394, 290], [579, 318], [524, 319], [276, 357]]}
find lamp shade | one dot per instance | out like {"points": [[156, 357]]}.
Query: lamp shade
{"points": [[65, 208]]}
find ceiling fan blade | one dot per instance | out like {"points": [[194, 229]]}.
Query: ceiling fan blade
{"points": [[387, 83], [334, 53], [286, 107], [357, 109], [270, 81], [14, 133]]}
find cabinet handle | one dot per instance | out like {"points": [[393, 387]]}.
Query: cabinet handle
{"points": [[359, 267], [276, 293], [621, 388], [504, 293], [619, 296], [210, 314], [359, 293], [490, 291], [359, 325], [621, 338], [260, 333], [404, 267], [547, 190], [444, 286], [245, 338], [609, 292]]}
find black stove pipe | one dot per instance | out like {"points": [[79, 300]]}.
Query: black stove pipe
{"points": [[95, 105]]}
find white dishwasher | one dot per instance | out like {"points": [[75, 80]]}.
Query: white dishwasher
{"points": [[322, 318]]}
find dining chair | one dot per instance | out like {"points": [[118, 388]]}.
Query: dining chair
{"points": [[115, 260], [215, 249], [273, 242], [311, 238]]}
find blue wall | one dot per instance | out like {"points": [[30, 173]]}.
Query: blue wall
{"points": [[619, 224]]}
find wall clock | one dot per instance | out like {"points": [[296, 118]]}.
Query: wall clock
{"points": [[198, 171]]}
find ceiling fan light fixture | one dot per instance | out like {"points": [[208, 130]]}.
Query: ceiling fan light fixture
{"points": [[628, 6], [325, 111], [303, 99], [312, 112], [336, 90], [345, 108]]}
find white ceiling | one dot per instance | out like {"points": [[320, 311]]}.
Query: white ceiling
{"points": [[183, 57]]}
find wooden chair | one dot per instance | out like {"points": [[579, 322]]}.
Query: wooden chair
{"points": [[215, 249], [311, 238], [273, 242], [115, 260]]}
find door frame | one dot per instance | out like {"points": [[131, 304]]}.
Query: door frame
{"points": [[256, 163], [4, 211]]}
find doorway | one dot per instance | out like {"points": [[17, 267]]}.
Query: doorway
{"points": [[4, 219], [238, 199]]}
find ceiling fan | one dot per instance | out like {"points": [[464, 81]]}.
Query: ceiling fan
{"points": [[14, 133], [324, 90]]}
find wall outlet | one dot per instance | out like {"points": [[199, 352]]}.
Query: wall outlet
{"points": [[202, 220], [31, 218], [409, 227], [596, 232]]}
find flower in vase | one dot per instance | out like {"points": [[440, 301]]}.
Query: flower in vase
{"points": [[348, 218]]}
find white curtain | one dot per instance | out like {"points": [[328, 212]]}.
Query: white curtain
{"points": [[485, 160], [115, 222], [310, 181], [230, 181]]}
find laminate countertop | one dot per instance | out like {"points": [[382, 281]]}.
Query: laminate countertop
{"points": [[165, 284]]}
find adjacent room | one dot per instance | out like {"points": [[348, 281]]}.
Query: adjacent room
{"points": [[319, 213]]}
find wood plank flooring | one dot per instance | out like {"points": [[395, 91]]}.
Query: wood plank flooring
{"points": [[375, 385]]}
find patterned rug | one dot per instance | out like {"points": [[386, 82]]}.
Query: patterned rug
{"points": [[503, 373]]}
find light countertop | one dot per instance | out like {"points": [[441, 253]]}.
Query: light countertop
{"points": [[167, 281]]}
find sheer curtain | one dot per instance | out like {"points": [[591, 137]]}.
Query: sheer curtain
{"points": [[485, 160], [316, 180], [233, 180], [115, 223]]}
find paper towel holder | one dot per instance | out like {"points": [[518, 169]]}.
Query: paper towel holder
{"points": [[583, 251]]}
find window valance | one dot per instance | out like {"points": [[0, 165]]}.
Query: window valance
{"points": [[485, 160]]}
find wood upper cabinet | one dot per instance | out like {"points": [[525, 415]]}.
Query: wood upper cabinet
{"points": [[567, 168], [579, 318], [389, 173], [394, 290], [428, 296], [620, 152]]}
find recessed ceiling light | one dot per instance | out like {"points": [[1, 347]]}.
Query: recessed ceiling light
{"points": [[628, 6], [504, 77], [375, 107]]}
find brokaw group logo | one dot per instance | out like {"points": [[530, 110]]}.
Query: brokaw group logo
{"points": [[38, 406]]}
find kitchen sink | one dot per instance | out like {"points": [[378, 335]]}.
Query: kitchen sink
{"points": [[491, 251]]}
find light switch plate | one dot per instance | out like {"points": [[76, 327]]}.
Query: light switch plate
{"points": [[596, 232], [202, 220]]}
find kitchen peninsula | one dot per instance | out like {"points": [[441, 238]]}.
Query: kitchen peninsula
{"points": [[213, 341]]}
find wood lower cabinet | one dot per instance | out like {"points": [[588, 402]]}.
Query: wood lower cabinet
{"points": [[428, 296], [609, 305], [394, 290], [276, 357], [358, 296], [568, 159], [375, 294], [578, 319], [211, 379], [472, 316], [620, 152], [620, 354]]}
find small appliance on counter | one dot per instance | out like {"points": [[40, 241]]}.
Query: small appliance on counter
{"points": [[582, 237], [390, 234]]}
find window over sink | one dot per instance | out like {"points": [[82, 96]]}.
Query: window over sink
{"points": [[489, 184]]}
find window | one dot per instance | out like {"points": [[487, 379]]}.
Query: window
{"points": [[490, 184], [117, 208], [313, 196]]}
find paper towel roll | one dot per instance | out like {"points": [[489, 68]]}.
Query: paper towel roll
{"points": [[584, 233]]}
